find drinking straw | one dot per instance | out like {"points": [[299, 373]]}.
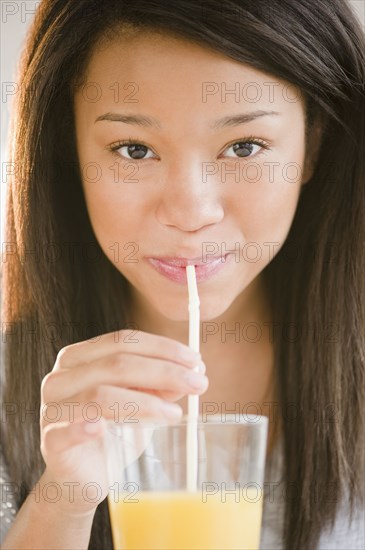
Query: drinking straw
{"points": [[193, 400]]}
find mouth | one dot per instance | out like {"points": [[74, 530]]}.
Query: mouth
{"points": [[183, 262], [174, 268]]}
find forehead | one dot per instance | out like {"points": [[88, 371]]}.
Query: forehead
{"points": [[159, 71]]}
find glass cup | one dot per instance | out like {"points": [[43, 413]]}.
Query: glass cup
{"points": [[149, 503]]}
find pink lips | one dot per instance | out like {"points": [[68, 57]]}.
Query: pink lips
{"points": [[174, 268]]}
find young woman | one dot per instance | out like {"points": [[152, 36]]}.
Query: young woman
{"points": [[149, 135]]}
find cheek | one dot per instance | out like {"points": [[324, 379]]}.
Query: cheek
{"points": [[115, 199], [266, 196], [114, 196], [117, 212]]}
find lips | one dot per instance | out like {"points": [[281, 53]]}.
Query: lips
{"points": [[183, 262], [175, 268]]}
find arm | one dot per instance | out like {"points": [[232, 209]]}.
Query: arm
{"points": [[102, 374], [44, 525]]}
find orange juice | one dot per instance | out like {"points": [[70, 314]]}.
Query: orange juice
{"points": [[181, 521]]}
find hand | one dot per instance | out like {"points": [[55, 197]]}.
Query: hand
{"points": [[107, 379]]}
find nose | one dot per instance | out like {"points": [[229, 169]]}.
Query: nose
{"points": [[187, 202]]}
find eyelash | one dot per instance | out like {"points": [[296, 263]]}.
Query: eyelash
{"points": [[113, 147]]}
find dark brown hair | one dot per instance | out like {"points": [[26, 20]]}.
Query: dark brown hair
{"points": [[59, 284]]}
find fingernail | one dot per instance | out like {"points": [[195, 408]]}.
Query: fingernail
{"points": [[200, 367], [90, 427], [196, 380], [192, 355], [171, 410]]}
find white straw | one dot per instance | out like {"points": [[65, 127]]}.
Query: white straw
{"points": [[193, 400]]}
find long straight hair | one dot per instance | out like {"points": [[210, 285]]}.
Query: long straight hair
{"points": [[59, 287]]}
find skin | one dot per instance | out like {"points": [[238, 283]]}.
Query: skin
{"points": [[169, 211]]}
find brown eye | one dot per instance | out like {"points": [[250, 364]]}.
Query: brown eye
{"points": [[136, 151], [243, 149], [132, 150], [246, 147]]}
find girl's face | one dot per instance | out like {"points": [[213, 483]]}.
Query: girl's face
{"points": [[215, 165]]}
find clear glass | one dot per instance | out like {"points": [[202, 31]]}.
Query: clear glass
{"points": [[150, 506]]}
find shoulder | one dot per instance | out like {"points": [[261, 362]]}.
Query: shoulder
{"points": [[347, 533]]}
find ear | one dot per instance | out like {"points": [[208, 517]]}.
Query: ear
{"points": [[313, 145]]}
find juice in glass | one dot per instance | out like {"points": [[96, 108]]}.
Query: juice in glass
{"points": [[223, 512], [179, 520]]}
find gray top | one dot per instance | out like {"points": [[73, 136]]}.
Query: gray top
{"points": [[344, 536]]}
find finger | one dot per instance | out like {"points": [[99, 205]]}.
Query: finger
{"points": [[123, 370], [127, 341], [60, 437], [172, 395], [164, 394], [109, 402]]}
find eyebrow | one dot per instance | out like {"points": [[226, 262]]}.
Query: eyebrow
{"points": [[244, 118], [142, 120]]}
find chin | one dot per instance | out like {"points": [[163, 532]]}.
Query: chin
{"points": [[210, 309]]}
